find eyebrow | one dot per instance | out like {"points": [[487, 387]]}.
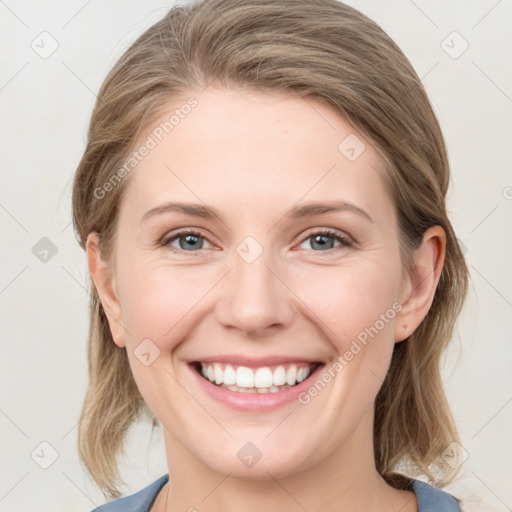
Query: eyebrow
{"points": [[296, 212]]}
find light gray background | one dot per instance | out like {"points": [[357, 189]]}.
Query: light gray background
{"points": [[45, 105]]}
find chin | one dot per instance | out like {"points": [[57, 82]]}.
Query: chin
{"points": [[248, 463]]}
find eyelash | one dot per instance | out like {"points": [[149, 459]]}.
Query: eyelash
{"points": [[345, 241]]}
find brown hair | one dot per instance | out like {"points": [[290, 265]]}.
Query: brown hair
{"points": [[320, 49]]}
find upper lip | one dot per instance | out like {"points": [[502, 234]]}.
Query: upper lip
{"points": [[254, 362]]}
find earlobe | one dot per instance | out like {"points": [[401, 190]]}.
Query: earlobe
{"points": [[420, 284], [105, 286]]}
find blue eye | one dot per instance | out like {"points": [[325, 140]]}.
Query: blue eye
{"points": [[187, 240], [193, 241], [324, 240]]}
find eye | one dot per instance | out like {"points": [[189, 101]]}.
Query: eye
{"points": [[324, 240], [188, 241], [192, 241]]}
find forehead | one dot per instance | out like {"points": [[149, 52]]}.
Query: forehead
{"points": [[239, 148]]}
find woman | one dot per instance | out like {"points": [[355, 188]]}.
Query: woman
{"points": [[274, 275]]}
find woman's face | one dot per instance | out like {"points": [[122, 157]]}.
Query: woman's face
{"points": [[259, 284]]}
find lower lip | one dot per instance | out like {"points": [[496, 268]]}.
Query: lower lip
{"points": [[256, 402]]}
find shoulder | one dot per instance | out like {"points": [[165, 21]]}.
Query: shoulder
{"points": [[141, 501], [432, 499]]}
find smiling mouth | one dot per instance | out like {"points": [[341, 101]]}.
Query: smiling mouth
{"points": [[265, 379]]}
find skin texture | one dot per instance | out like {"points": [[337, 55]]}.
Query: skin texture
{"points": [[253, 156]]}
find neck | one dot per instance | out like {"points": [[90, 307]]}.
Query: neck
{"points": [[346, 480]]}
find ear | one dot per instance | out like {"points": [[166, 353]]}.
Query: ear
{"points": [[420, 284], [106, 288]]}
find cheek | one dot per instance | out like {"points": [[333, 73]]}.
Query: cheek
{"points": [[357, 308], [159, 303], [352, 302], [158, 299]]}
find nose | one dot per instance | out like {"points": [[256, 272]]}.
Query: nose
{"points": [[255, 298]]}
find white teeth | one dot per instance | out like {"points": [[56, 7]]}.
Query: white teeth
{"points": [[261, 380], [244, 377], [229, 375], [272, 389], [217, 371], [291, 375], [302, 374], [279, 376]]}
